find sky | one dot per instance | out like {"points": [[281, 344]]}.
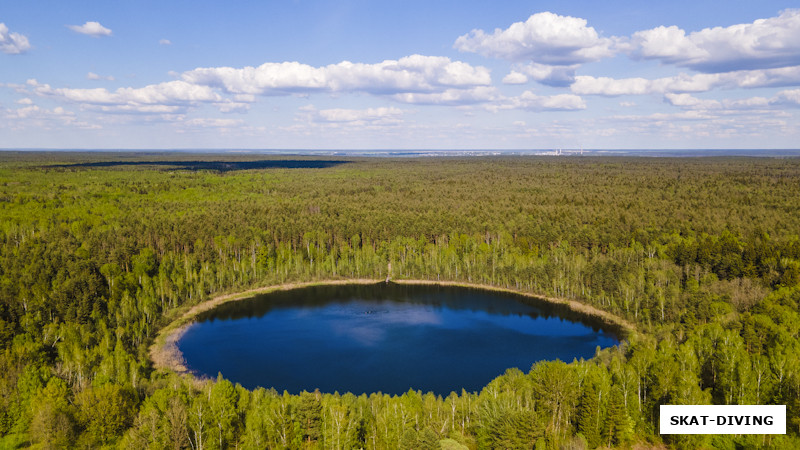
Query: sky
{"points": [[363, 75]]}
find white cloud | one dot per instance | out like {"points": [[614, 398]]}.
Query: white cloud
{"points": [[12, 43], [689, 101], [561, 102], [589, 85], [35, 117], [352, 125], [790, 97], [414, 79], [765, 43], [515, 77], [545, 38], [785, 76], [450, 97], [205, 125], [752, 104], [95, 77], [245, 98], [24, 101], [228, 106], [278, 78], [168, 97], [701, 124], [93, 29], [213, 123], [531, 102], [682, 83], [669, 44], [33, 111], [559, 76], [165, 42], [414, 73], [381, 115]]}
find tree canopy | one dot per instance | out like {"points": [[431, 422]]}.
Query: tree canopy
{"points": [[702, 255]]}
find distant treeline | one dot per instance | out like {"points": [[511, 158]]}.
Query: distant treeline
{"points": [[96, 256]]}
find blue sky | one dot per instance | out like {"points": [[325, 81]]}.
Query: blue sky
{"points": [[399, 74]]}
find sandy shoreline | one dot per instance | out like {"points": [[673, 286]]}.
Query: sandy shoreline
{"points": [[165, 354]]}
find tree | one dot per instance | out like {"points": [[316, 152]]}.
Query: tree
{"points": [[53, 424], [222, 404], [590, 414], [105, 412], [555, 387], [619, 426], [309, 416]]}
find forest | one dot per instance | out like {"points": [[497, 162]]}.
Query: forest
{"points": [[101, 251]]}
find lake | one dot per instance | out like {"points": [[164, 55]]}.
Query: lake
{"points": [[384, 337]]}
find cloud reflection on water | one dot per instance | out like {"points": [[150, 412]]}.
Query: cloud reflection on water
{"points": [[372, 325]]}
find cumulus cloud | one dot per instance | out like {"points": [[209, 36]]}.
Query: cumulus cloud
{"points": [[32, 111], [684, 83], [93, 29], [765, 43], [165, 42], [545, 38], [589, 85], [414, 79], [785, 76], [669, 44], [515, 77], [790, 97], [168, 97], [450, 97], [12, 43], [562, 102], [558, 76], [765, 53], [414, 73], [33, 116], [691, 102]]}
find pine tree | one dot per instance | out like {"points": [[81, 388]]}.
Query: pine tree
{"points": [[309, 416], [589, 415], [619, 426]]}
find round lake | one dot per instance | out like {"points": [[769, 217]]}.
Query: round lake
{"points": [[384, 337]]}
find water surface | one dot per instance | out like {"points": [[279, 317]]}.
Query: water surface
{"points": [[384, 338]]}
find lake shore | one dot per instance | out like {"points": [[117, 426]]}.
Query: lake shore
{"points": [[165, 354]]}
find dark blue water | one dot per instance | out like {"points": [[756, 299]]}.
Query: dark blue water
{"points": [[384, 338]]}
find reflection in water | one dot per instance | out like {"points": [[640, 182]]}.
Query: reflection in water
{"points": [[369, 326], [384, 337], [364, 335]]}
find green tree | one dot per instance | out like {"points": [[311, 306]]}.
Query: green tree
{"points": [[619, 426], [105, 412], [590, 414], [222, 403], [53, 424], [309, 416]]}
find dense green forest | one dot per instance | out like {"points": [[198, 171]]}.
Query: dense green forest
{"points": [[702, 255]]}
